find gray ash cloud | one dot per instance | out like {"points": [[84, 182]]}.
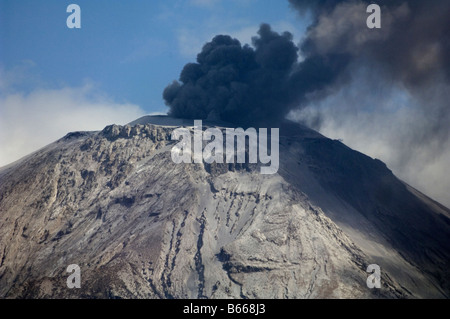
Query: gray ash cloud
{"points": [[413, 45], [410, 51]]}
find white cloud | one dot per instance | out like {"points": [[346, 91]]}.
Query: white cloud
{"points": [[29, 121], [24, 73]]}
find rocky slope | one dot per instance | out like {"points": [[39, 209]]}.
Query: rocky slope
{"points": [[140, 226]]}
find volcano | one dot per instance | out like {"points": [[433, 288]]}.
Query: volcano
{"points": [[140, 226]]}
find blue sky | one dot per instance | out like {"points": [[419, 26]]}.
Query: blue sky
{"points": [[130, 50], [54, 80]]}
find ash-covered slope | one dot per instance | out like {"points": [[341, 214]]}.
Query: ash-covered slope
{"points": [[140, 226]]}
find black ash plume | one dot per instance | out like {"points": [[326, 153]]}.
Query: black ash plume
{"points": [[249, 85], [261, 84]]}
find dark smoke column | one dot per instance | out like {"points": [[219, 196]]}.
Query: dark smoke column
{"points": [[245, 85]]}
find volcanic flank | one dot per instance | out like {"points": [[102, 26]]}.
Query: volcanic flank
{"points": [[141, 226]]}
